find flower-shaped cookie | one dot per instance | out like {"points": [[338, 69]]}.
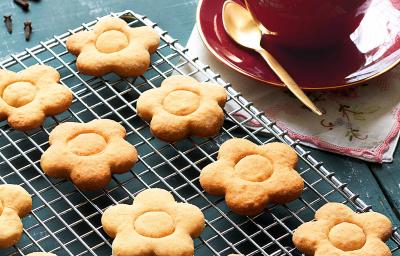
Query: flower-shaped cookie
{"points": [[41, 254], [155, 225], [251, 176], [15, 203], [338, 231], [30, 95], [113, 46], [88, 153], [182, 107]]}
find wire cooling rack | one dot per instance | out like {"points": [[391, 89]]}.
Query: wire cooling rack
{"points": [[66, 221]]}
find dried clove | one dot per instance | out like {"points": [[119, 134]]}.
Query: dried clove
{"points": [[8, 22], [24, 4], [27, 30]]}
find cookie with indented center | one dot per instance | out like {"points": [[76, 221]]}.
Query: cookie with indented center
{"points": [[113, 46], [154, 225], [30, 95], [338, 231], [183, 107], [15, 203], [251, 176], [88, 153]]}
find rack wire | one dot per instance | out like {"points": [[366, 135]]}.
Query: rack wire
{"points": [[66, 220]]}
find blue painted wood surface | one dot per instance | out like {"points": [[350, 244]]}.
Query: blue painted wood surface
{"points": [[54, 17], [378, 185]]}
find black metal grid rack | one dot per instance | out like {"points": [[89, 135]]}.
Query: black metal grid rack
{"points": [[66, 220]]}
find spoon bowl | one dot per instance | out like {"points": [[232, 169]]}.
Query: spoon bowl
{"points": [[241, 27]]}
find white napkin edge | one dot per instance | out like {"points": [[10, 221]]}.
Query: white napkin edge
{"points": [[209, 59]]}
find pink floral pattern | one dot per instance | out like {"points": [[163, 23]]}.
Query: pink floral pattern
{"points": [[361, 122]]}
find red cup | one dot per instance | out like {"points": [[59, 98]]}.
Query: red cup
{"points": [[310, 24]]}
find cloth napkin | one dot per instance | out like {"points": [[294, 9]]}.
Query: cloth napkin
{"points": [[361, 122]]}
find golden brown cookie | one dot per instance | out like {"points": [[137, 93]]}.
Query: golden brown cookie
{"points": [[113, 46], [41, 254], [15, 203], [89, 153], [30, 95], [183, 107], [338, 231], [154, 225], [251, 176]]}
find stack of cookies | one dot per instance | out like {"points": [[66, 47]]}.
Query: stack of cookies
{"points": [[249, 176]]}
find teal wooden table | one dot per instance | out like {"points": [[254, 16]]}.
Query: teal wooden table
{"points": [[378, 185]]}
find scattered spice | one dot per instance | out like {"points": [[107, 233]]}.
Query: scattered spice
{"points": [[8, 22], [24, 4], [128, 17], [27, 30]]}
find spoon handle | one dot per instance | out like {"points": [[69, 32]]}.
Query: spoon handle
{"points": [[288, 80]]}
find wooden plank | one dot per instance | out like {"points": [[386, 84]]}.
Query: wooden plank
{"points": [[389, 179], [360, 180]]}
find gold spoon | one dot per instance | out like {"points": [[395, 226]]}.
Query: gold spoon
{"points": [[241, 27]]}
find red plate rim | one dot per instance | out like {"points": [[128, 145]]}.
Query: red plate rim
{"points": [[281, 85]]}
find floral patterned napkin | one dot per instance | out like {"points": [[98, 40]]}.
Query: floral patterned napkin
{"points": [[361, 122]]}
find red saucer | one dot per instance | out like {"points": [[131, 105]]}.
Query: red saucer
{"points": [[373, 49]]}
